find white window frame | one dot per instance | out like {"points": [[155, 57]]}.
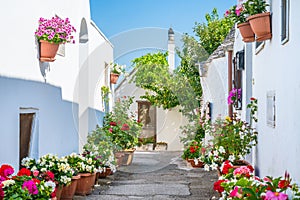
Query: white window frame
{"points": [[287, 14]]}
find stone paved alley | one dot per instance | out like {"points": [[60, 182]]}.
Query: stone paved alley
{"points": [[155, 176]]}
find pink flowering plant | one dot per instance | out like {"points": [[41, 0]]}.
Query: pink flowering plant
{"points": [[55, 30], [241, 183], [237, 14], [234, 96], [26, 184]]}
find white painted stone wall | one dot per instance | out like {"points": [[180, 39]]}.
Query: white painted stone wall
{"points": [[215, 87], [71, 98], [275, 68]]}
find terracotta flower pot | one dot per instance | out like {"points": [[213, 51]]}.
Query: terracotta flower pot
{"points": [[261, 26], [199, 164], [68, 191], [114, 78], [246, 32], [48, 51], [128, 156], [58, 191], [105, 173], [119, 157], [85, 183]]}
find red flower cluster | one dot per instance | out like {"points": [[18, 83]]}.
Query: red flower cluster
{"points": [[6, 170], [125, 127], [193, 149], [226, 167], [113, 123], [218, 187], [24, 172]]}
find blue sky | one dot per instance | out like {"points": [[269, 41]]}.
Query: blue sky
{"points": [[137, 27], [115, 16]]}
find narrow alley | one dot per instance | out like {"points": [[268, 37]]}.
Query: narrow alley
{"points": [[156, 175]]}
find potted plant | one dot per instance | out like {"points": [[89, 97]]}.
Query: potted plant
{"points": [[52, 32], [192, 153], [259, 19], [115, 71], [238, 15], [26, 184], [85, 166]]}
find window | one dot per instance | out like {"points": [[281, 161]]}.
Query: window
{"points": [[284, 21], [259, 46], [237, 82], [271, 115]]}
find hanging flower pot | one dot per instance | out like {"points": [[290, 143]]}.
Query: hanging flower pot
{"points": [[114, 78], [246, 32], [48, 51], [52, 32], [261, 26]]}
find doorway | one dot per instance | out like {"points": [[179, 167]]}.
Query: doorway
{"points": [[147, 116]]}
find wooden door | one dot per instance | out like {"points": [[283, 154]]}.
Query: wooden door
{"points": [[147, 115], [26, 120]]}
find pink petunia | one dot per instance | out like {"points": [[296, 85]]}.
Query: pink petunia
{"points": [[276, 196], [235, 192]]}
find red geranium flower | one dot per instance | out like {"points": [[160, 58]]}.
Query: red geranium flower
{"points": [[192, 150], [113, 123], [6, 170], [49, 176], [283, 184], [252, 99], [24, 172], [218, 187], [125, 127]]}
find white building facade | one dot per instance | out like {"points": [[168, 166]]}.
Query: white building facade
{"points": [[59, 102], [270, 74]]}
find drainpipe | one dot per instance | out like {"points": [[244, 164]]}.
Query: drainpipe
{"points": [[229, 80]]}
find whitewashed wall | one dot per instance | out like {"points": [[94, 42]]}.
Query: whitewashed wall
{"points": [[215, 87], [276, 68], [71, 98]]}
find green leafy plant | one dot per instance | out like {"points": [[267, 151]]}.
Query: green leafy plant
{"points": [[122, 126], [116, 68], [104, 94], [253, 7], [213, 32], [234, 135], [237, 14], [193, 150]]}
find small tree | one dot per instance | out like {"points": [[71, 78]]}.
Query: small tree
{"points": [[213, 32]]}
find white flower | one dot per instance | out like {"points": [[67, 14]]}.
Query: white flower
{"points": [[216, 153], [50, 184], [8, 183], [214, 166], [206, 167], [231, 158], [43, 170], [221, 149]]}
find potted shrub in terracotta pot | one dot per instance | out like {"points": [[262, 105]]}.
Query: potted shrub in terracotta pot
{"points": [[259, 18], [52, 32], [115, 71], [238, 15]]}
